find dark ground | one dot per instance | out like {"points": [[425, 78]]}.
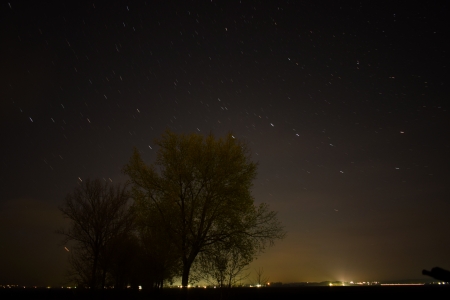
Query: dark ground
{"points": [[403, 292]]}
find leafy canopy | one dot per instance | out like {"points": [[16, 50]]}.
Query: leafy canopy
{"points": [[199, 191]]}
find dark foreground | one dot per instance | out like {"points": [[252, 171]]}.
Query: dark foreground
{"points": [[426, 292]]}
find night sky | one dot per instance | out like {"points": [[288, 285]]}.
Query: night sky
{"points": [[344, 104]]}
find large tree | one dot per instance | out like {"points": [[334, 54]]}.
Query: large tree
{"points": [[199, 190], [100, 217]]}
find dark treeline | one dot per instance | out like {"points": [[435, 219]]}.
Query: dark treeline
{"points": [[109, 246], [189, 216], [342, 292]]}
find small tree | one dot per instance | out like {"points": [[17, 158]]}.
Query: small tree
{"points": [[99, 215], [198, 190], [223, 263], [260, 278]]}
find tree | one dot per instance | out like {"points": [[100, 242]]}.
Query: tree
{"points": [[124, 261], [198, 189], [100, 217], [159, 260], [223, 264], [260, 278]]}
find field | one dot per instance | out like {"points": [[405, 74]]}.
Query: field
{"points": [[403, 292]]}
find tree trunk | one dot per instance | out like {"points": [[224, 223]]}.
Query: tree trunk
{"points": [[103, 280], [93, 283], [185, 275]]}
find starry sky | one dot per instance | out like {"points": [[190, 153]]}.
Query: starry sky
{"points": [[342, 104]]}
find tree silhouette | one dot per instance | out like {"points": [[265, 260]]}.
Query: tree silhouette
{"points": [[99, 218], [199, 191], [223, 264], [159, 260], [260, 278]]}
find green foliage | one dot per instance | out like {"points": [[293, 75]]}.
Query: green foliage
{"points": [[199, 192]]}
